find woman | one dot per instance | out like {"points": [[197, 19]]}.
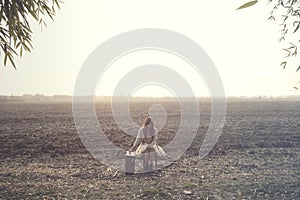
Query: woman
{"points": [[146, 140]]}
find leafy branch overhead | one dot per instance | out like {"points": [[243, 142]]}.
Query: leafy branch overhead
{"points": [[15, 30], [288, 14]]}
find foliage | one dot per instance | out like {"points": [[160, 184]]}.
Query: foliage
{"points": [[246, 5], [15, 19], [288, 14]]}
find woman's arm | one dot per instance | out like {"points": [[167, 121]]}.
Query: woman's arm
{"points": [[137, 140]]}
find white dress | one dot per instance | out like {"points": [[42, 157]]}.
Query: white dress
{"points": [[148, 144]]}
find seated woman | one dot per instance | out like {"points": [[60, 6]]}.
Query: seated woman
{"points": [[146, 141]]}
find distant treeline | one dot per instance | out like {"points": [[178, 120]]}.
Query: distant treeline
{"points": [[67, 98], [37, 97]]}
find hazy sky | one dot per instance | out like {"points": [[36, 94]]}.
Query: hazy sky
{"points": [[242, 44]]}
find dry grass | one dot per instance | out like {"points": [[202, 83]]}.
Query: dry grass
{"points": [[257, 157]]}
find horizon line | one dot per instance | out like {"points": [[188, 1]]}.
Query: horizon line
{"points": [[154, 97]]}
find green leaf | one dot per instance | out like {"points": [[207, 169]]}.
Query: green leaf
{"points": [[26, 47], [21, 52], [12, 61], [271, 18], [5, 59], [246, 5], [18, 44], [297, 27], [284, 64], [57, 4]]}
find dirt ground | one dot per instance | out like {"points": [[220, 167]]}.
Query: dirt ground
{"points": [[256, 157]]}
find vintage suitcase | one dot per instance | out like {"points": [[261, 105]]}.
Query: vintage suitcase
{"points": [[129, 162]]}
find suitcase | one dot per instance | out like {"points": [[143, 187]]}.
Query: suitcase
{"points": [[129, 162]]}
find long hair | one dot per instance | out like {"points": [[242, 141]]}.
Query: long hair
{"points": [[146, 122]]}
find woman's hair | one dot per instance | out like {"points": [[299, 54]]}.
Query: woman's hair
{"points": [[147, 121]]}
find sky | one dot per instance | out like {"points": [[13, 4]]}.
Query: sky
{"points": [[242, 44]]}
